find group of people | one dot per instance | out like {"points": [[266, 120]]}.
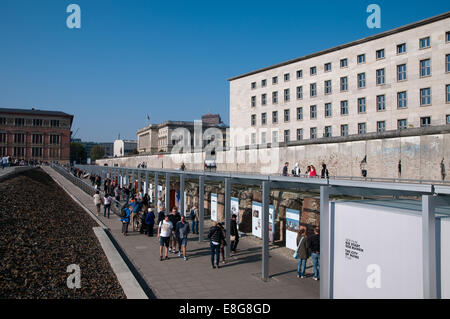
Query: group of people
{"points": [[308, 247], [309, 172], [7, 161]]}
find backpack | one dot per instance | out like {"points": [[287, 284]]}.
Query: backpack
{"points": [[123, 213]]}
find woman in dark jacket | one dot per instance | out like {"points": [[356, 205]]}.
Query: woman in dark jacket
{"points": [[302, 251], [215, 236], [223, 243]]}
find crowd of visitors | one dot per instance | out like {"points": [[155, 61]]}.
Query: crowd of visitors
{"points": [[7, 161], [308, 247], [310, 171]]}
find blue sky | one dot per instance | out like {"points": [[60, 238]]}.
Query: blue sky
{"points": [[168, 59]]}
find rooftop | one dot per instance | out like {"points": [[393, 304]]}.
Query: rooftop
{"points": [[34, 111]]}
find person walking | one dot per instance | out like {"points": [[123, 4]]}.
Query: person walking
{"points": [[126, 220], [150, 222], [106, 204], [194, 217], [215, 236], [161, 214], [97, 201], [137, 205], [285, 169], [313, 172], [174, 218], [223, 243], [308, 171], [234, 233], [181, 232], [296, 170], [302, 251], [164, 231], [315, 252], [324, 173]]}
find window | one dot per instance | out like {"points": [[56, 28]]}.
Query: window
{"points": [[401, 48], [253, 101], [299, 74], [447, 119], [361, 128], [54, 123], [328, 87], [381, 103], [299, 92], [287, 95], [447, 36], [344, 83], [19, 121], [313, 89], [54, 139], [19, 151], [362, 105], [263, 83], [275, 117], [380, 54], [253, 142], [447, 63], [447, 95], [263, 138], [344, 107], [3, 151], [36, 151], [263, 118], [275, 137], [344, 63], [253, 85], [380, 77], [424, 43], [274, 97], [2, 120], [381, 126], [253, 120], [425, 68], [300, 113], [37, 122], [287, 77], [344, 130], [263, 99], [327, 67], [275, 80], [287, 134], [286, 115], [401, 72], [36, 138], [313, 70], [313, 132], [299, 134], [425, 96], [2, 137], [425, 121], [19, 138], [361, 58], [327, 132], [328, 110], [402, 124], [313, 111], [402, 100], [361, 80]]}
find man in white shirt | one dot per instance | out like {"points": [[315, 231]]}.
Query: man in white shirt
{"points": [[164, 230]]}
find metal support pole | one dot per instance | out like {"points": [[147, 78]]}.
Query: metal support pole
{"points": [[156, 196], [147, 183], [325, 244], [133, 179], [139, 177], [182, 203], [201, 207], [227, 216], [429, 247], [167, 193], [265, 230]]}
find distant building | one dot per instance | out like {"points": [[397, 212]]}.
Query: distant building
{"points": [[124, 147], [109, 149], [160, 138], [32, 134]]}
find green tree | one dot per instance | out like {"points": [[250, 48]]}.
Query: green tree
{"points": [[97, 152], [77, 153]]}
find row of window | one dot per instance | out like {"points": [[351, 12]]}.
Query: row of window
{"points": [[19, 121], [19, 138], [402, 102], [424, 43], [35, 152], [425, 71], [362, 129]]}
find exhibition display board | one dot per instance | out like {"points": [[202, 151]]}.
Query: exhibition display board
{"points": [[292, 227], [235, 209], [214, 207], [257, 220], [443, 252]]}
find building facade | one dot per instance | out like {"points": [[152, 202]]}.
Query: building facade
{"points": [[396, 80], [124, 147], [30, 134]]}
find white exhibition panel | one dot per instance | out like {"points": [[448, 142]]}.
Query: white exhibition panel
{"points": [[234, 205], [377, 252], [256, 219], [445, 257], [292, 228], [214, 207]]}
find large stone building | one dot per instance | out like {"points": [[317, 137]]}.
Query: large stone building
{"points": [[160, 138], [32, 134], [396, 80]]}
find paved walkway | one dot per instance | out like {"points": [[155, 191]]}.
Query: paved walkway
{"points": [[195, 278]]}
